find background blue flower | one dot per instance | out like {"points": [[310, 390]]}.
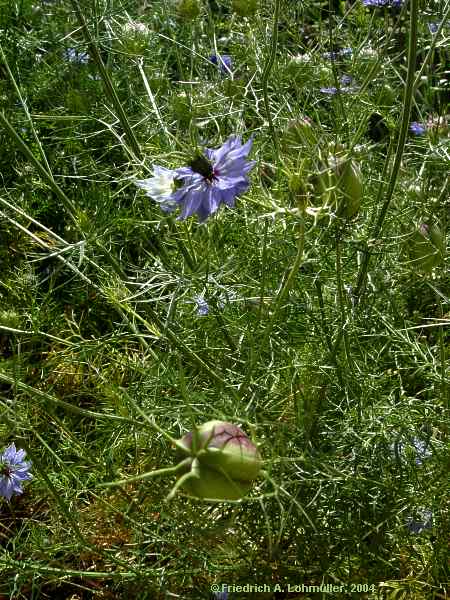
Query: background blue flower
{"points": [[425, 522], [13, 470], [223, 61], [72, 55], [417, 128]]}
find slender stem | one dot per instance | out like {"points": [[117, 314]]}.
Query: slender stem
{"points": [[263, 271], [432, 47], [25, 149], [149, 475], [404, 124], [25, 108], [287, 285], [265, 76], [340, 296], [278, 304], [152, 423], [182, 480], [182, 247], [324, 323], [5, 378], [109, 87]]}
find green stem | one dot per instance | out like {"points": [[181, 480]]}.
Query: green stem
{"points": [[109, 87], [182, 480], [324, 323], [149, 475], [44, 396], [278, 304], [287, 285], [404, 124], [341, 305], [265, 76], [46, 175], [432, 47], [25, 108], [263, 271]]}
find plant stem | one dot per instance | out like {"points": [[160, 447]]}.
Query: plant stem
{"points": [[46, 175], [278, 304], [149, 475], [109, 87], [404, 124], [265, 76]]}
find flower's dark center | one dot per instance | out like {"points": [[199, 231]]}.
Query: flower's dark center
{"points": [[200, 164], [5, 470]]}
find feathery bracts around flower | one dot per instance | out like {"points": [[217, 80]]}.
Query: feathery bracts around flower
{"points": [[213, 178]]}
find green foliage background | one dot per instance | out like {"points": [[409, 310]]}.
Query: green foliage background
{"points": [[98, 325]]}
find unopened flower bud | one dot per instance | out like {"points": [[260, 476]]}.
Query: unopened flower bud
{"points": [[244, 8], [225, 464], [351, 187], [188, 9], [135, 37], [426, 247]]}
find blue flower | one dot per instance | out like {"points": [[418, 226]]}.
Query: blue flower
{"points": [[380, 3], [330, 91], [347, 88], [346, 80], [160, 187], [73, 56], [433, 27], [420, 448], [223, 60], [213, 178], [426, 522], [417, 128], [343, 53], [13, 470], [202, 305], [346, 52]]}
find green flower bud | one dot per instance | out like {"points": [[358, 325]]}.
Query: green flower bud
{"points": [[300, 131], [351, 187], [10, 318], [426, 247], [299, 188], [340, 184], [325, 186], [189, 9], [244, 8], [135, 37], [224, 448]]}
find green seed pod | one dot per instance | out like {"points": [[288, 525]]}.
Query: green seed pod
{"points": [[350, 184], [135, 37], [426, 247], [386, 96], [244, 8], [300, 131], [10, 318], [189, 9], [224, 448], [210, 484]]}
